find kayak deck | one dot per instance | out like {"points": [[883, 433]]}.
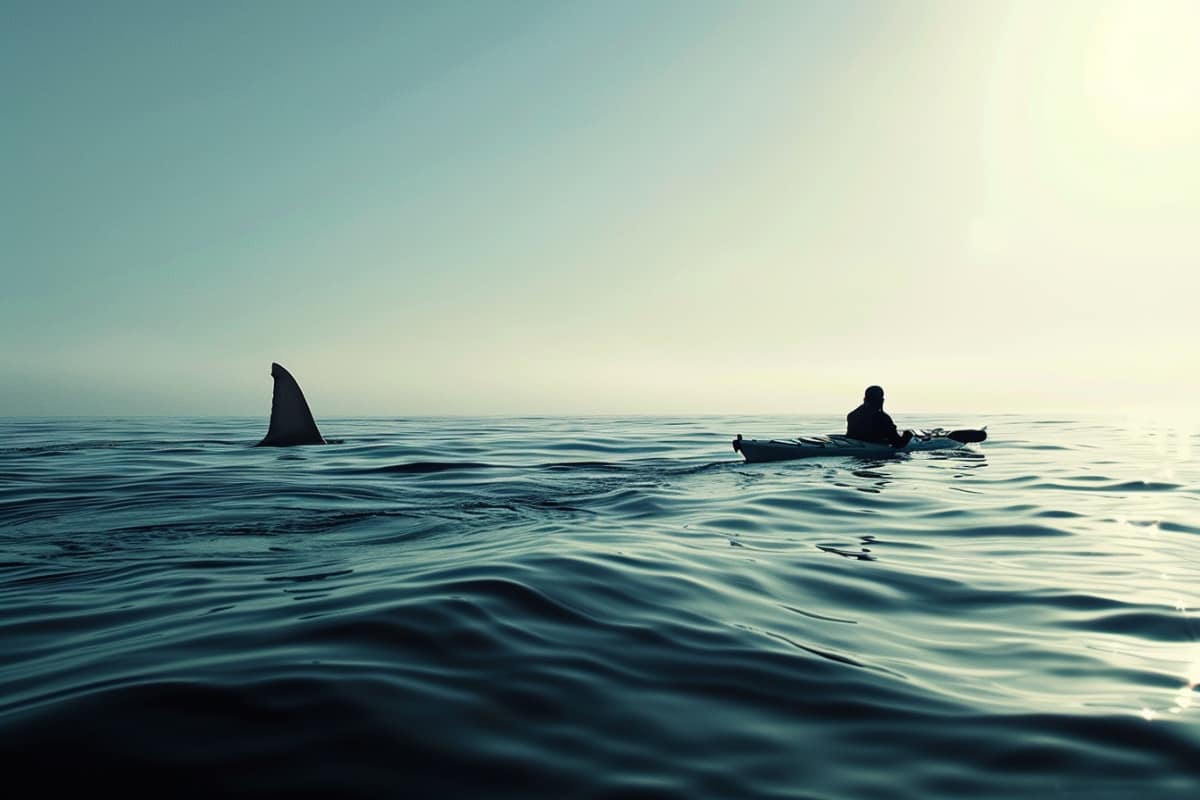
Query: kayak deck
{"points": [[760, 450]]}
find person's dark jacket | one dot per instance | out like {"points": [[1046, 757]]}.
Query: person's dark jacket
{"points": [[872, 424]]}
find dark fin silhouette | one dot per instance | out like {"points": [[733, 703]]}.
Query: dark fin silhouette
{"points": [[968, 436], [291, 421]]}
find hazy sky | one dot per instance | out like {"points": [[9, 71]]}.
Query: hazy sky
{"points": [[600, 207]]}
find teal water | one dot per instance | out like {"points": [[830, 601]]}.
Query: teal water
{"points": [[598, 607]]}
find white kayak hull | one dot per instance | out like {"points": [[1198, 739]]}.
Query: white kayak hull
{"points": [[758, 450]]}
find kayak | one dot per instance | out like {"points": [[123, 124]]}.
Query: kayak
{"points": [[756, 450]]}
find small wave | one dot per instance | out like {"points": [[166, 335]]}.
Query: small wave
{"points": [[1017, 530], [712, 466], [813, 615], [310, 577], [68, 448], [1153, 625], [421, 467], [1093, 484], [583, 465], [1178, 527]]}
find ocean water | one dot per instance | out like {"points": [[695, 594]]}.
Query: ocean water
{"points": [[598, 608]]}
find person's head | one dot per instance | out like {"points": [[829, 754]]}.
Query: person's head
{"points": [[873, 396]]}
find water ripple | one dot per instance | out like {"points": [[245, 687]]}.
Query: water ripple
{"points": [[596, 607]]}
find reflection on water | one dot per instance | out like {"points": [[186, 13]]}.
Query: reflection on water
{"points": [[862, 554], [878, 480]]}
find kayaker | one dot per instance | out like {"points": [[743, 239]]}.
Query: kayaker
{"points": [[870, 423]]}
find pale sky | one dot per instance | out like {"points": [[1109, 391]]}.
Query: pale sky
{"points": [[600, 207]]}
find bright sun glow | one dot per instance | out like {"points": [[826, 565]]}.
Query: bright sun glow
{"points": [[1145, 66]]}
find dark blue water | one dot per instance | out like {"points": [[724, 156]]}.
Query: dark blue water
{"points": [[598, 607]]}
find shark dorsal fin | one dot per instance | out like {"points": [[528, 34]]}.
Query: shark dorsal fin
{"points": [[291, 421]]}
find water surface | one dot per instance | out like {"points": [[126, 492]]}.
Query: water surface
{"points": [[598, 607]]}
